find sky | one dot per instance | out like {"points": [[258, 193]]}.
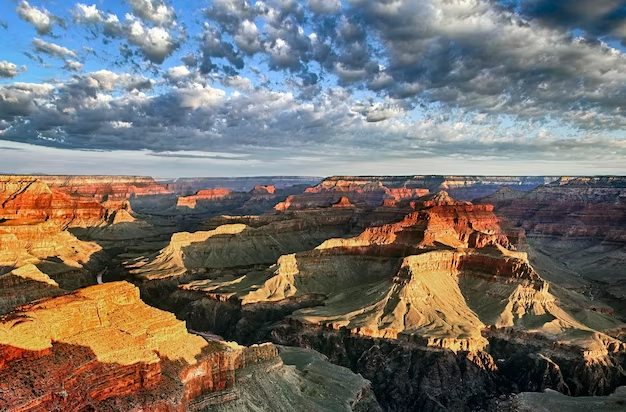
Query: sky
{"points": [[313, 87]]}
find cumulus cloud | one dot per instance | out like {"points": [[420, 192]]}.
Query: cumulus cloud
{"points": [[203, 118], [8, 69], [307, 78], [41, 18], [52, 49], [155, 11], [177, 72], [155, 43], [73, 65]]}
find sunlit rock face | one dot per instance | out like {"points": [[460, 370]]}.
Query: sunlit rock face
{"points": [[355, 190], [580, 222], [406, 278], [103, 188], [393, 278], [28, 198], [203, 195], [101, 347], [189, 185]]}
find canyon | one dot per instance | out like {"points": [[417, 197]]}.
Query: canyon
{"points": [[366, 293]]}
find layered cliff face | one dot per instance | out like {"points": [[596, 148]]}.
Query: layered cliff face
{"points": [[102, 348], [24, 285], [103, 188], [27, 198], [55, 251], [427, 297], [368, 192], [190, 185], [580, 222], [444, 278], [304, 381], [459, 187], [239, 244]]}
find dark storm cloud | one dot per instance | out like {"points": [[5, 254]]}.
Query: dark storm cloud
{"points": [[596, 17], [479, 57]]}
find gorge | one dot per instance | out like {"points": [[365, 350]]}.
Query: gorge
{"points": [[352, 294]]}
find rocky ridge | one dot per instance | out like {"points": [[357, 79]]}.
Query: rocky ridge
{"points": [[414, 285], [580, 222]]}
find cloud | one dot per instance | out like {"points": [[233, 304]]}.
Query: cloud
{"points": [[155, 43], [325, 6], [8, 69], [106, 110], [72, 65], [41, 18], [155, 11], [52, 49], [330, 79], [596, 17], [177, 72], [20, 99]]}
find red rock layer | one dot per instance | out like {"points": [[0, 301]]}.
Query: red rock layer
{"points": [[204, 195], [106, 187], [30, 199], [260, 189], [329, 192], [574, 208], [439, 221], [102, 348], [343, 202]]}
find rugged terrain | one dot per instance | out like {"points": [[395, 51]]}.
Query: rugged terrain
{"points": [[580, 223], [102, 348], [440, 303]]}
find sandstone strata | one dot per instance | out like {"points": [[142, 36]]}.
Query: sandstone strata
{"points": [[444, 278], [102, 348], [580, 222], [203, 195], [28, 198], [190, 185], [104, 188]]}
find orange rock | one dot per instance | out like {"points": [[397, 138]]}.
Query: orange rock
{"points": [[203, 195], [27, 198], [356, 190], [343, 202], [259, 189], [104, 188], [103, 348]]}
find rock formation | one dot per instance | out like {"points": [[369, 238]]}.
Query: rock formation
{"points": [[203, 195], [237, 244], [580, 222], [24, 285], [45, 245], [102, 348], [27, 198], [459, 187], [440, 303], [190, 185], [329, 192], [445, 277], [103, 188]]}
